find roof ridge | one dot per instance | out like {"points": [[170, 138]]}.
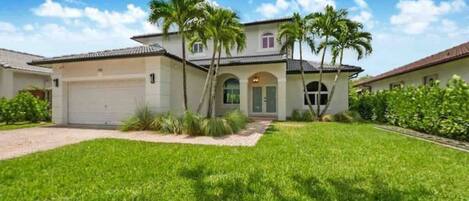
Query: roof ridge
{"points": [[101, 51], [20, 52]]}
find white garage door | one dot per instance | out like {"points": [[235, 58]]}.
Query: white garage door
{"points": [[104, 102]]}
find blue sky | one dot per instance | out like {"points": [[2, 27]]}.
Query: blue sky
{"points": [[403, 30]]}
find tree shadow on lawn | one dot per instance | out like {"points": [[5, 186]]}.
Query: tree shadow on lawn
{"points": [[211, 185], [356, 189]]}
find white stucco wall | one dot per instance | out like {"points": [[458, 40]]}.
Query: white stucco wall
{"points": [[253, 43], [295, 97], [13, 81], [162, 96], [444, 72]]}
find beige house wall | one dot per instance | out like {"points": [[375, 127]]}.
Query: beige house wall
{"points": [[295, 97], [162, 96], [444, 73], [13, 81], [172, 43]]}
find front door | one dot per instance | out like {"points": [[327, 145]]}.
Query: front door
{"points": [[264, 99]]}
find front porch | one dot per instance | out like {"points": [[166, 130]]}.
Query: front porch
{"points": [[258, 91]]}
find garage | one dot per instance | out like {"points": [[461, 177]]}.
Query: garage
{"points": [[104, 102]]}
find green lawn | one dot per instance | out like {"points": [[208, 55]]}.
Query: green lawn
{"points": [[293, 161], [4, 127]]}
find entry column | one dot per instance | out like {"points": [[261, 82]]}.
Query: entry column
{"points": [[282, 99], [243, 96]]}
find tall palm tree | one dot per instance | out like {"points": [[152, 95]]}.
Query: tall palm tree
{"points": [[350, 37], [183, 14], [231, 35], [289, 34], [325, 25]]}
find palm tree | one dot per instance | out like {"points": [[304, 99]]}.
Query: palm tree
{"points": [[290, 33], [183, 14], [325, 25], [230, 35], [350, 37]]}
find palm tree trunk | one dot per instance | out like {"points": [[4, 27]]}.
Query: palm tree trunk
{"points": [[184, 84], [339, 68], [318, 101], [308, 100], [207, 80], [214, 83]]}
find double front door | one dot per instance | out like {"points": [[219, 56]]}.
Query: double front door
{"points": [[264, 99]]}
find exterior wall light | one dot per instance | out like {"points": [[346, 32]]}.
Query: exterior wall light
{"points": [[152, 78], [255, 79], [56, 82]]}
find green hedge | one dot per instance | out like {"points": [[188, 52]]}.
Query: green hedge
{"points": [[430, 109], [24, 107]]}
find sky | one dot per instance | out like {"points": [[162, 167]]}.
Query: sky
{"points": [[403, 30]]}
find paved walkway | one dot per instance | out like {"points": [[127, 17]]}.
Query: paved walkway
{"points": [[20, 142]]}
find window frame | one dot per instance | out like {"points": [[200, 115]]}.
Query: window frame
{"points": [[233, 90], [198, 46], [396, 85], [426, 78], [317, 95], [270, 40]]}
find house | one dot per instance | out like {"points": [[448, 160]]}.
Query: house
{"points": [[17, 75], [440, 66], [105, 87]]}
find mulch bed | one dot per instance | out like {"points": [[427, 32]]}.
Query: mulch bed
{"points": [[460, 145]]}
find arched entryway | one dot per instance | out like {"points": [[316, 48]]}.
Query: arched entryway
{"points": [[263, 95]]}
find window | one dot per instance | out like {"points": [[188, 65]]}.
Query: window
{"points": [[315, 95], [430, 79], [197, 48], [396, 85], [268, 40], [231, 91]]}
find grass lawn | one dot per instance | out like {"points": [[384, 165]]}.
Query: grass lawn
{"points": [[293, 161], [4, 127]]}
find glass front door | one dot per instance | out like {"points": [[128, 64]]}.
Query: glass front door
{"points": [[264, 99]]}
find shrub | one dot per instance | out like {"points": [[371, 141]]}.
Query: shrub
{"points": [[328, 118], [307, 116], [171, 124], [191, 123], [430, 109], [237, 120], [141, 120], [296, 115], [216, 127], [24, 107]]}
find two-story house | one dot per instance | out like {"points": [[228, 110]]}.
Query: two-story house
{"points": [[105, 87]]}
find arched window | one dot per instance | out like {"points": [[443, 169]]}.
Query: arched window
{"points": [[315, 95], [268, 40], [231, 91]]}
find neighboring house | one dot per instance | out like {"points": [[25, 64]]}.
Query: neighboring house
{"points": [[105, 87], [17, 75], [441, 66]]}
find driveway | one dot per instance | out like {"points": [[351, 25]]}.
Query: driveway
{"points": [[20, 142]]}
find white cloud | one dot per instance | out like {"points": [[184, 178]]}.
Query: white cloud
{"points": [[285, 7], [416, 16], [150, 28], [361, 3], [315, 5], [270, 10], [52, 9], [28, 27], [111, 18], [213, 3], [7, 27]]}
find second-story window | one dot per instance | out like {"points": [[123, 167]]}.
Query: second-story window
{"points": [[197, 48], [268, 40]]}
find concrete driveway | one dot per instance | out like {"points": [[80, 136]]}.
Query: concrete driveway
{"points": [[20, 142]]}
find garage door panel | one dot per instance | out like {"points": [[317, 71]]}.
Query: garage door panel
{"points": [[104, 102]]}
